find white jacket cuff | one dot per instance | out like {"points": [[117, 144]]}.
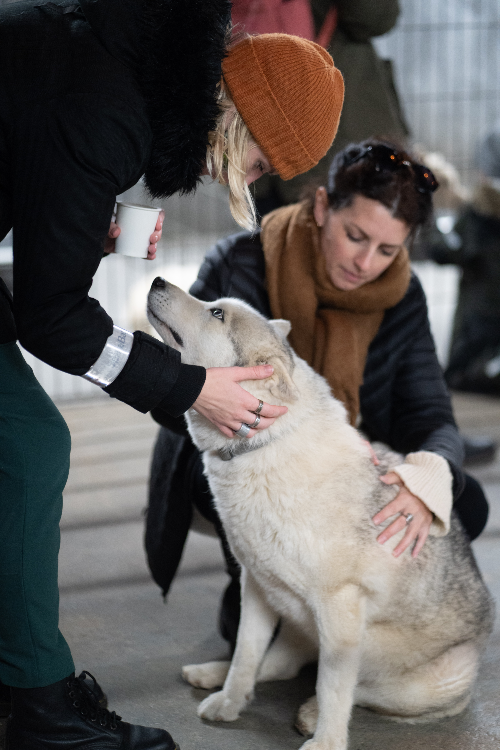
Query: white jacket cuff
{"points": [[428, 476]]}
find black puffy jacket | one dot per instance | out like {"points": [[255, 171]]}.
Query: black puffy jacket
{"points": [[404, 401], [94, 94]]}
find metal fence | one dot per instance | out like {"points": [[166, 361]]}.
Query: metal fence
{"points": [[446, 55]]}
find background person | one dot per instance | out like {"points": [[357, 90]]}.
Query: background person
{"points": [[474, 246], [339, 271], [94, 94], [371, 106]]}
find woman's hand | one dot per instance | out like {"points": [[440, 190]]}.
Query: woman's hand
{"points": [[227, 405], [114, 231], [404, 503]]}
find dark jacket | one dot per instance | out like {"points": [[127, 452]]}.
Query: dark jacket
{"points": [[92, 96], [404, 401], [475, 248]]}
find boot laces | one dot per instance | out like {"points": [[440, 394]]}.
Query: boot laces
{"points": [[85, 699]]}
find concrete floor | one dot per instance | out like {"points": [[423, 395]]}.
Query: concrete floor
{"points": [[120, 630]]}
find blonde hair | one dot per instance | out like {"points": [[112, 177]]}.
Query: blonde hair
{"points": [[227, 153]]}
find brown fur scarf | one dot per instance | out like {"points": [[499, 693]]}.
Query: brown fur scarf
{"points": [[331, 329]]}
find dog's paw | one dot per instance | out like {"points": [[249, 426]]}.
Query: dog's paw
{"points": [[307, 718], [207, 676], [218, 707]]}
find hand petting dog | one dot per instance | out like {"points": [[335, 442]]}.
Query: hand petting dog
{"points": [[404, 503], [227, 405]]}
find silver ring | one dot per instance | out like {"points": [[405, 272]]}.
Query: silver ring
{"points": [[408, 516], [255, 423], [259, 408], [243, 431]]}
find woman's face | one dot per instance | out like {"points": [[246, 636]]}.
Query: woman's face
{"points": [[359, 242], [257, 164]]}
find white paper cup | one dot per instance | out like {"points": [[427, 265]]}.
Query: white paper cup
{"points": [[137, 223]]}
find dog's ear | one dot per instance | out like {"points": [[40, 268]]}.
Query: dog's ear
{"points": [[280, 384], [282, 327]]}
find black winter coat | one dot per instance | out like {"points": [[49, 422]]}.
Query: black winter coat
{"points": [[404, 401], [93, 95]]}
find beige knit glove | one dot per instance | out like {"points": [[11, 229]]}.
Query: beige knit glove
{"points": [[428, 476]]}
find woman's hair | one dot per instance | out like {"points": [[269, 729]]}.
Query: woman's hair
{"points": [[383, 172], [227, 152]]}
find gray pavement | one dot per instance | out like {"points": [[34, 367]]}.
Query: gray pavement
{"points": [[119, 628]]}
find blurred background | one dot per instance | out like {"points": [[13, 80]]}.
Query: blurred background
{"points": [[446, 67]]}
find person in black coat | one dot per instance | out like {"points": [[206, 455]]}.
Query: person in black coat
{"points": [[376, 198], [474, 246], [93, 95]]}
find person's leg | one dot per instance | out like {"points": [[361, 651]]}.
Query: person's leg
{"points": [[35, 447], [50, 707], [472, 507], [5, 700]]}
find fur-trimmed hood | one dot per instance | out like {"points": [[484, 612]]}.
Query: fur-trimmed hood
{"points": [[176, 48]]}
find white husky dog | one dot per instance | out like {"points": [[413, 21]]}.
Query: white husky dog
{"points": [[401, 636]]}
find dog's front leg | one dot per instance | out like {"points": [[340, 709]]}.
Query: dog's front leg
{"points": [[257, 624], [341, 621]]}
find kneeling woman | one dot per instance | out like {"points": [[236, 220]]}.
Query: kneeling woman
{"points": [[339, 270]]}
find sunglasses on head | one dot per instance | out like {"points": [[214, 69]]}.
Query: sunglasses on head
{"points": [[386, 158]]}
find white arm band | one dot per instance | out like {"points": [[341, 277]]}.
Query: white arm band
{"points": [[112, 359]]}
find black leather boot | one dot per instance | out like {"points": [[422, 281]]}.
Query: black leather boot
{"points": [[5, 697], [4, 700], [67, 715]]}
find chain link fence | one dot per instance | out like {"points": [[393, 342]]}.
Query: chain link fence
{"points": [[446, 55]]}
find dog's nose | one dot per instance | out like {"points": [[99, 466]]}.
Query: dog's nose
{"points": [[159, 282]]}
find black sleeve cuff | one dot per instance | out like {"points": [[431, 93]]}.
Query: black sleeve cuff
{"points": [[154, 376], [186, 390]]}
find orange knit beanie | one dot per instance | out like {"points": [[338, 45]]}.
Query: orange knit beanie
{"points": [[290, 94]]}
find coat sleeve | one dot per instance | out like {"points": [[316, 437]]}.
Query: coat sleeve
{"points": [[68, 171], [422, 416], [234, 267], [69, 168]]}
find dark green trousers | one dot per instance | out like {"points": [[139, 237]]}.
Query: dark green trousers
{"points": [[34, 462]]}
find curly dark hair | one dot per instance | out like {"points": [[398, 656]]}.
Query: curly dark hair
{"points": [[386, 173]]}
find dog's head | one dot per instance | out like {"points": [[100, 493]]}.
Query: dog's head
{"points": [[224, 333]]}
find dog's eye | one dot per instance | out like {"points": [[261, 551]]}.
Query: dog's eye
{"points": [[218, 313]]}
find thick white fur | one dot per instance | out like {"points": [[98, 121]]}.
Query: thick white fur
{"points": [[393, 634]]}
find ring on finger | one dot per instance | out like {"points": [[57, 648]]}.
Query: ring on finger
{"points": [[408, 517], [259, 408], [243, 431], [255, 423]]}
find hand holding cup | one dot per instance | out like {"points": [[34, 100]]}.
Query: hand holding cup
{"points": [[136, 231]]}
